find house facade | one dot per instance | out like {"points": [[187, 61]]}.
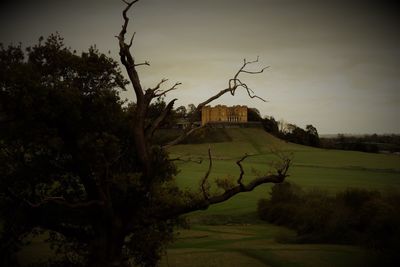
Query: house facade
{"points": [[223, 114]]}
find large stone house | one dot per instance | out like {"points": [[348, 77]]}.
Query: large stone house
{"points": [[223, 114]]}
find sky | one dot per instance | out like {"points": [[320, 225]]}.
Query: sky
{"points": [[332, 64]]}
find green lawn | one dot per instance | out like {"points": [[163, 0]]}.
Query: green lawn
{"points": [[247, 241]]}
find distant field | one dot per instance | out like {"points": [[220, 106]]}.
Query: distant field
{"points": [[230, 234]]}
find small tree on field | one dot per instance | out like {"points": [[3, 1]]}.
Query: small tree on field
{"points": [[85, 169]]}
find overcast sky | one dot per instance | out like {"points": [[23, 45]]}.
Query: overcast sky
{"points": [[333, 64]]}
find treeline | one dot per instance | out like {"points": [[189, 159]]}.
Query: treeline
{"points": [[286, 131], [373, 143], [354, 216], [367, 143]]}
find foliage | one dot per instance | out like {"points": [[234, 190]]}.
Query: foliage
{"points": [[64, 129], [291, 132], [193, 113], [298, 135], [253, 114], [365, 143], [271, 126], [353, 216]]}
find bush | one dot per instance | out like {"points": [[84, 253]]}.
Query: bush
{"points": [[354, 216]]}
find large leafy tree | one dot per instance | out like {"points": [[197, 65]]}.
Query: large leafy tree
{"points": [[83, 168]]}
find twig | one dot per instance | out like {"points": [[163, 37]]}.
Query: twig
{"points": [[198, 161], [168, 90], [239, 163], [144, 63]]}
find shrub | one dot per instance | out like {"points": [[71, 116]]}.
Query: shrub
{"points": [[354, 216]]}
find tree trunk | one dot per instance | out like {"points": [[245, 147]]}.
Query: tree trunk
{"points": [[106, 249]]}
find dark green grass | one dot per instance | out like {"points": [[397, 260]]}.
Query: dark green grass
{"points": [[241, 245], [250, 242], [330, 170]]}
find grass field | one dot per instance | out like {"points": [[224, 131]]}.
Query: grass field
{"points": [[329, 170], [230, 234], [255, 245]]}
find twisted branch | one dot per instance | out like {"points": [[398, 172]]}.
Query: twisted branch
{"points": [[183, 136], [206, 201], [174, 87], [126, 56], [56, 200], [160, 119], [198, 160], [163, 80], [239, 163], [144, 63], [204, 180]]}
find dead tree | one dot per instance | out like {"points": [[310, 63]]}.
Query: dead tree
{"points": [[160, 203], [144, 132]]}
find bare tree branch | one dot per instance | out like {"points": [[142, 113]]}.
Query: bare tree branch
{"points": [[126, 56], [174, 87], [198, 160], [250, 92], [285, 159], [204, 180], [63, 202], [205, 203], [240, 188], [163, 80], [57, 200], [239, 163], [157, 122], [255, 72], [182, 137], [214, 97], [237, 83], [246, 188], [143, 100], [144, 63], [126, 19], [131, 41]]}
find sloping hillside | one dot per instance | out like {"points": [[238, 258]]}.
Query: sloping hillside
{"points": [[244, 140], [230, 234], [329, 170]]}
